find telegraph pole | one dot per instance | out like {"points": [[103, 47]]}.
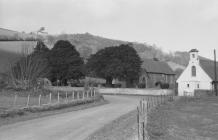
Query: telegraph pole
{"points": [[215, 74]]}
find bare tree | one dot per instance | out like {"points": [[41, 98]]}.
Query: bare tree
{"points": [[25, 72]]}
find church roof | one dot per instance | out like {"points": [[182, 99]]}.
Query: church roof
{"points": [[208, 66], [153, 66], [193, 50]]}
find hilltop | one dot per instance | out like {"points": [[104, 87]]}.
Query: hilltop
{"points": [[10, 35], [88, 44]]}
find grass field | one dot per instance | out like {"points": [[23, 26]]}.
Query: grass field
{"points": [[10, 100], [7, 102], [123, 128], [193, 119]]}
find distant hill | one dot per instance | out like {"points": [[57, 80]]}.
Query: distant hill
{"points": [[10, 35], [175, 66], [88, 44]]}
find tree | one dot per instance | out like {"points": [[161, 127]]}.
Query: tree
{"points": [[25, 72], [41, 48], [41, 54], [65, 62], [120, 62]]}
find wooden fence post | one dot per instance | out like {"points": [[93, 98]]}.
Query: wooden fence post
{"points": [[50, 98], [89, 91], [28, 100], [73, 95], [66, 97], [94, 92], [164, 98], [58, 97], [153, 105], [39, 99], [143, 130], [160, 99], [15, 100], [77, 95], [138, 123]]}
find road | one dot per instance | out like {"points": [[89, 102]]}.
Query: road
{"points": [[76, 125]]}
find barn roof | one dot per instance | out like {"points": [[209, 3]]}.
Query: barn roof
{"points": [[208, 66], [153, 66]]}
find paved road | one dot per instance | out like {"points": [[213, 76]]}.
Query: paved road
{"points": [[76, 125]]}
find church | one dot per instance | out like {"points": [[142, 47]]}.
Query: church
{"points": [[198, 75]]}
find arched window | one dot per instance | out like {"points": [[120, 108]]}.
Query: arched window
{"points": [[193, 71], [143, 80]]}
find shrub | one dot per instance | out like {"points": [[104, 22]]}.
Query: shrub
{"points": [[141, 85], [164, 86]]}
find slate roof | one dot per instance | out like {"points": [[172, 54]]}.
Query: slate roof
{"points": [[208, 67], [160, 67], [193, 50]]}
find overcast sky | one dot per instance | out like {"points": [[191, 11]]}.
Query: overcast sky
{"points": [[170, 24]]}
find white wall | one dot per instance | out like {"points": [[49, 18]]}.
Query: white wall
{"points": [[185, 78], [133, 91]]}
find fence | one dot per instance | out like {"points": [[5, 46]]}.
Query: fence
{"points": [[17, 101], [145, 106]]}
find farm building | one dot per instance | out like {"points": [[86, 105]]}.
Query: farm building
{"points": [[156, 72], [199, 74]]}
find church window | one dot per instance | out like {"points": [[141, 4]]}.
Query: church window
{"points": [[143, 79], [188, 85], [193, 55], [193, 71]]}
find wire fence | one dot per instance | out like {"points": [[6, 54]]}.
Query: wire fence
{"points": [[144, 107], [17, 100]]}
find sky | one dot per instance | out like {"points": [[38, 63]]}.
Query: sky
{"points": [[173, 25]]}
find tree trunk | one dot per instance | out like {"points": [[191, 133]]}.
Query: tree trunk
{"points": [[129, 83], [109, 81]]}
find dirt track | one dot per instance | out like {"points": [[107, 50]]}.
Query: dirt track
{"points": [[76, 125]]}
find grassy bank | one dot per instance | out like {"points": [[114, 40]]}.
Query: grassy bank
{"points": [[193, 119], [123, 128], [14, 116]]}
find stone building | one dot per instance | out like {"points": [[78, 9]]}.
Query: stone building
{"points": [[155, 72]]}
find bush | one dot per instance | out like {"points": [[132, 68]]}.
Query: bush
{"points": [[2, 85], [158, 84], [164, 86], [141, 85]]}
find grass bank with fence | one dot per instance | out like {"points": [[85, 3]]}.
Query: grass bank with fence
{"points": [[145, 107], [188, 118], [13, 103]]}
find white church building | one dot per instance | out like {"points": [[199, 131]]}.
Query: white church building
{"points": [[199, 74]]}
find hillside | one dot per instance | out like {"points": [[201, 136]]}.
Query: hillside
{"points": [[10, 35], [88, 44], [7, 58]]}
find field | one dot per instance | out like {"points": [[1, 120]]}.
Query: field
{"points": [[47, 104], [123, 128], [192, 119], [11, 100]]}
